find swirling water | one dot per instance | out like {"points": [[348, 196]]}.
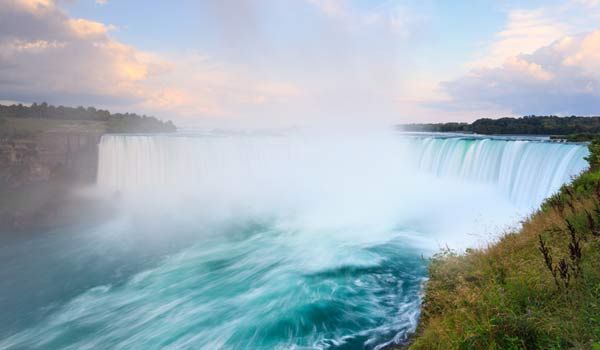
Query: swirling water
{"points": [[266, 242]]}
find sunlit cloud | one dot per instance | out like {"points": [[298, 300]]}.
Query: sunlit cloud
{"points": [[526, 31], [35, 6], [87, 29], [561, 78], [48, 55], [360, 62], [75, 61], [332, 8], [64, 59]]}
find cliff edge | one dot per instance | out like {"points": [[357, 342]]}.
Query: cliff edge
{"points": [[46, 153]]}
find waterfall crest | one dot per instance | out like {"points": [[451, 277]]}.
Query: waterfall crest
{"points": [[526, 171]]}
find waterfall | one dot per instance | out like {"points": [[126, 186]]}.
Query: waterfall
{"points": [[271, 242], [527, 171]]}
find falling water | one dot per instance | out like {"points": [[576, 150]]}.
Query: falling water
{"points": [[526, 171], [270, 242]]}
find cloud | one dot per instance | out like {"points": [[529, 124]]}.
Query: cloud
{"points": [[388, 15], [526, 31], [45, 55], [85, 29], [587, 3], [197, 86], [332, 8], [586, 55], [343, 70], [560, 78], [351, 62]]}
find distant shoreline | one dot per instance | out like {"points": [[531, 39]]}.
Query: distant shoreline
{"points": [[571, 129], [500, 137]]}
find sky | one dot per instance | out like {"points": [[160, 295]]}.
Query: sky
{"points": [[294, 63]]}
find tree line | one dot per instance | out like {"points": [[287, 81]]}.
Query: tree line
{"points": [[527, 125], [116, 122]]}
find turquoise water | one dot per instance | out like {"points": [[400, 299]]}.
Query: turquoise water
{"points": [[265, 243], [527, 171], [248, 287]]}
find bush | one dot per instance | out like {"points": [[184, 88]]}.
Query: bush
{"points": [[594, 157]]}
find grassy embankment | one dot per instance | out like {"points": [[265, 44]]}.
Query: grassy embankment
{"points": [[534, 289], [28, 127], [31, 127]]}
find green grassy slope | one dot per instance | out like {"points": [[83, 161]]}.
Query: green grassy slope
{"points": [[538, 288]]}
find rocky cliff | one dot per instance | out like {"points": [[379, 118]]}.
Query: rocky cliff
{"points": [[47, 157], [37, 173]]}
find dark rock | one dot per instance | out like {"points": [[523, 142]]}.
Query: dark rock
{"points": [[37, 174]]}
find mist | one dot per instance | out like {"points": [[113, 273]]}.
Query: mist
{"points": [[231, 174], [344, 69], [311, 183], [225, 240]]}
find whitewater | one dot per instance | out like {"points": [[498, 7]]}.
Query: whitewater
{"points": [[296, 241]]}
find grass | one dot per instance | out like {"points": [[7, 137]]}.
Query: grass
{"points": [[26, 127], [538, 288]]}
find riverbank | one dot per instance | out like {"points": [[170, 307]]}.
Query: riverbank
{"points": [[538, 288]]}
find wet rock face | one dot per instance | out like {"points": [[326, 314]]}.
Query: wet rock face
{"points": [[20, 164], [62, 157], [37, 175]]}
